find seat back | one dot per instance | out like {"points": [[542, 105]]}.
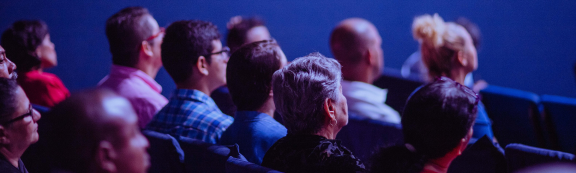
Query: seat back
{"points": [[204, 157], [165, 153], [362, 136], [399, 88], [234, 165], [521, 156], [559, 116], [515, 115]]}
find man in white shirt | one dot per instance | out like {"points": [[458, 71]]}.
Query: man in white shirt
{"points": [[356, 44]]}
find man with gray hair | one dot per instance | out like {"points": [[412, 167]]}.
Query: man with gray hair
{"points": [[308, 95]]}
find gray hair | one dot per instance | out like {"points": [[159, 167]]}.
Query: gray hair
{"points": [[301, 88]]}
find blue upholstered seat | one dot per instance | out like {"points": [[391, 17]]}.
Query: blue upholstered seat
{"points": [[362, 136], [234, 165], [560, 115], [204, 157], [521, 156], [165, 153], [515, 115], [399, 88]]}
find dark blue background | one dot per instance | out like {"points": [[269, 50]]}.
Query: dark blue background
{"points": [[527, 44]]}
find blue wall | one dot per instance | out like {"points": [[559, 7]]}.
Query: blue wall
{"points": [[527, 44]]}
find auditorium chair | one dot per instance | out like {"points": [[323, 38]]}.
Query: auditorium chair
{"points": [[234, 165], [560, 117], [399, 88], [362, 136], [515, 115], [203, 157], [521, 156], [166, 156]]}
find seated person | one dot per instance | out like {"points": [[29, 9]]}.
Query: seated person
{"points": [[7, 67], [356, 44], [447, 50], [95, 131], [18, 126], [135, 38], [308, 95], [437, 125], [28, 44], [249, 77], [193, 56], [240, 31]]}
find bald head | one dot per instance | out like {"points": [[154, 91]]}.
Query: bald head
{"points": [[355, 41], [79, 125]]}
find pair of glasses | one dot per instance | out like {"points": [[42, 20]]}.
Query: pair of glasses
{"points": [[224, 51], [463, 88], [30, 113], [162, 30]]}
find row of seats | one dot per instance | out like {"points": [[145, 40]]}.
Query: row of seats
{"points": [[171, 155], [518, 116]]}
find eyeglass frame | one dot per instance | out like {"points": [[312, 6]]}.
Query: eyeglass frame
{"points": [[225, 49], [29, 113], [161, 30]]}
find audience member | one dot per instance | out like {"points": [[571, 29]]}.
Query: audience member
{"points": [[18, 126], [437, 125], [249, 76], [95, 131], [195, 59], [356, 44], [7, 67], [240, 31], [135, 38], [448, 50], [28, 44], [308, 95]]}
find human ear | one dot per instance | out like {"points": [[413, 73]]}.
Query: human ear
{"points": [[329, 109], [461, 59], [105, 156], [202, 65], [464, 141], [3, 138], [146, 48]]}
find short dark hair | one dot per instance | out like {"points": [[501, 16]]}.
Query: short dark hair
{"points": [[472, 29], [436, 118], [8, 101], [125, 31], [185, 41], [249, 73], [21, 41], [237, 33]]}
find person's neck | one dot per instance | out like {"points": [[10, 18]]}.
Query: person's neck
{"points": [[361, 74], [11, 155], [268, 107], [439, 165], [199, 85], [458, 75], [328, 133], [149, 69]]}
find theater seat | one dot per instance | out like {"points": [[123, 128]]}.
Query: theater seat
{"points": [[234, 165], [204, 157], [560, 115], [521, 156], [399, 88], [165, 153], [515, 115], [362, 136]]}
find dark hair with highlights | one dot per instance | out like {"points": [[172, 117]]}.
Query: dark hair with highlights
{"points": [[21, 40], [8, 102], [237, 33], [125, 31]]}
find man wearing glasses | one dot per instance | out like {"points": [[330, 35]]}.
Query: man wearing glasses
{"points": [[135, 38], [18, 126], [194, 57]]}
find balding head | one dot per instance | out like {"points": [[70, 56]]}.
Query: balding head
{"points": [[356, 44], [96, 131]]}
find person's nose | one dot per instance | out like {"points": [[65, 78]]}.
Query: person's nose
{"points": [[11, 67], [36, 115]]}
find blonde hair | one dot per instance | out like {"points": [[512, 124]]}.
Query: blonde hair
{"points": [[439, 43]]}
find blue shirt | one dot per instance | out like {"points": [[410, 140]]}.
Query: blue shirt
{"points": [[483, 124], [255, 133], [193, 114]]}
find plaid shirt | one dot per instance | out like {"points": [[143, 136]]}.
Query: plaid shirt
{"points": [[193, 114]]}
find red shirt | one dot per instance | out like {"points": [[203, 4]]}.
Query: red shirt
{"points": [[44, 89]]}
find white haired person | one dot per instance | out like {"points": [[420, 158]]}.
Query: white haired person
{"points": [[308, 95]]}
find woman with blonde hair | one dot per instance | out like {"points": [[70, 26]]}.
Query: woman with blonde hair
{"points": [[448, 50]]}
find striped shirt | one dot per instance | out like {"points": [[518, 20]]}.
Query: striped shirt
{"points": [[193, 114]]}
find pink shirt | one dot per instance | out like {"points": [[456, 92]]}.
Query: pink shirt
{"points": [[139, 88]]}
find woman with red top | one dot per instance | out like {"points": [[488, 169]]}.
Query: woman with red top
{"points": [[28, 45]]}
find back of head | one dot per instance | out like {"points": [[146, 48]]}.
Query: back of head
{"points": [[249, 73], [238, 31], [472, 28], [439, 43], [185, 41], [21, 40], [436, 119], [301, 88], [125, 31], [75, 128], [351, 39], [8, 103]]}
